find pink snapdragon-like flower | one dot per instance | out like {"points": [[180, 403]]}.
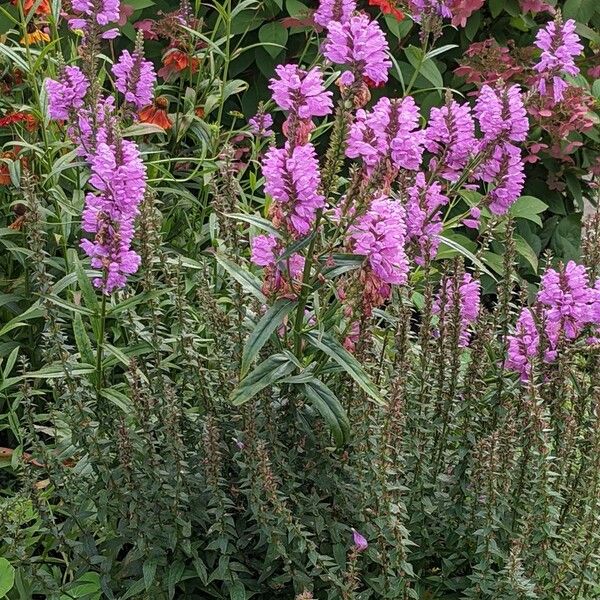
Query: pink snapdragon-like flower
{"points": [[390, 129], [501, 115], [263, 250], [567, 300], [334, 10], [66, 95], [301, 92], [119, 176], [105, 11], [560, 45], [468, 297], [359, 540], [360, 45], [260, 124], [424, 8], [504, 169], [423, 217], [292, 178], [523, 345], [135, 78], [451, 134], [379, 235]]}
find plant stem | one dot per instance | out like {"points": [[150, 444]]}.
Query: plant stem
{"points": [[100, 344]]}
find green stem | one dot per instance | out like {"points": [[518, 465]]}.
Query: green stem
{"points": [[100, 344]]}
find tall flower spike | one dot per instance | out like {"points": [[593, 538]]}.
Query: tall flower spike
{"points": [[379, 235], [292, 178], [390, 129], [523, 345], [119, 176], [360, 45], [103, 11], [501, 115], [423, 218], [334, 10], [451, 134], [66, 95], [560, 45], [135, 76], [301, 92]]}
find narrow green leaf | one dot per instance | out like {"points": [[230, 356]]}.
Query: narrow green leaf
{"points": [[84, 345], [329, 407], [268, 323], [267, 373], [466, 253], [256, 221], [344, 359], [57, 371], [248, 281], [118, 399]]}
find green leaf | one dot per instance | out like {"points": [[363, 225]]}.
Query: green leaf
{"points": [[87, 586], [58, 371], [248, 281], [118, 399], [329, 407], [237, 591], [452, 243], [267, 373], [7, 577], [268, 323], [149, 571], [259, 222], [82, 340], [344, 359], [425, 66], [526, 251], [275, 36], [528, 207]]}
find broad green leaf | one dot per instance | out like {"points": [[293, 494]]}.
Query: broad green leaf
{"points": [[528, 207], [268, 323], [274, 36], [329, 407], [425, 66], [7, 577], [248, 281], [237, 591], [344, 359], [526, 251], [267, 373]]}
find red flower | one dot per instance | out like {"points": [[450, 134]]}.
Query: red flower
{"points": [[42, 9], [388, 7], [10, 155], [19, 117], [156, 113], [175, 61]]}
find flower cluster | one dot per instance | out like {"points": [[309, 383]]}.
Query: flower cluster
{"points": [[465, 294], [338, 11], [92, 14], [567, 304], [379, 236], [359, 45], [423, 218], [119, 178], [450, 135], [66, 96], [134, 78], [390, 129], [560, 45]]}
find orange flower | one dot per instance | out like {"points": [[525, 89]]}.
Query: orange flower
{"points": [[4, 172], [200, 112], [34, 36], [42, 9], [175, 61], [30, 121], [388, 7], [156, 113]]}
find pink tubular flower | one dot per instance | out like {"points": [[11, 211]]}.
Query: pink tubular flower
{"points": [[379, 235], [360, 45], [292, 178], [501, 115], [424, 8], [523, 345], [135, 78], [505, 170], [468, 297], [66, 95], [559, 44], [451, 132], [263, 250], [260, 124], [120, 181], [334, 10], [567, 299], [359, 540], [301, 92], [423, 217], [105, 11], [390, 129]]}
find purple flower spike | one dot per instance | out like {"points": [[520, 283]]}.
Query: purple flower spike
{"points": [[523, 345], [67, 94], [135, 78], [360, 541], [334, 10]]}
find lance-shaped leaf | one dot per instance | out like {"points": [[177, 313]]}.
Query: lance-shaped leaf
{"points": [[344, 359], [268, 323], [267, 373], [329, 407], [248, 281]]}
